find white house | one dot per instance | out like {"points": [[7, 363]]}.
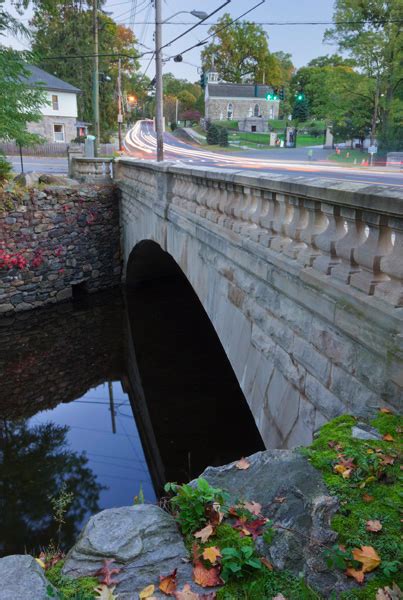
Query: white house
{"points": [[59, 122]]}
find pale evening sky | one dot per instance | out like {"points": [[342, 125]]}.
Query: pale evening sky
{"points": [[303, 42]]}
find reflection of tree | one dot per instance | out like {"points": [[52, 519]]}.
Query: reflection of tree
{"points": [[34, 461]]}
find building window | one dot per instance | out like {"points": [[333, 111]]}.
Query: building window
{"points": [[55, 102], [58, 133], [256, 111], [230, 111]]}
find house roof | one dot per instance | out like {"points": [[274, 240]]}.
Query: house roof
{"points": [[43, 79], [238, 90]]}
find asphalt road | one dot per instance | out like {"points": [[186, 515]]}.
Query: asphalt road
{"points": [[140, 142], [47, 164]]}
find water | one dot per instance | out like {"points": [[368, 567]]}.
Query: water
{"points": [[114, 395]]}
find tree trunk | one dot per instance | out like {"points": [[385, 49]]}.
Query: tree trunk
{"points": [[375, 112]]}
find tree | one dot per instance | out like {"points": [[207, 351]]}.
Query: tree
{"points": [[186, 99], [371, 32], [20, 104], [239, 53], [300, 111], [213, 134], [287, 71], [36, 460], [223, 137], [66, 29]]}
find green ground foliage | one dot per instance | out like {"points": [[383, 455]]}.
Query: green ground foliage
{"points": [[372, 492], [71, 589], [349, 156]]}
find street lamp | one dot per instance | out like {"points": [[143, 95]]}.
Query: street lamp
{"points": [[159, 129]]}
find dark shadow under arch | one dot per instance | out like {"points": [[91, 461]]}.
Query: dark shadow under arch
{"points": [[196, 409]]}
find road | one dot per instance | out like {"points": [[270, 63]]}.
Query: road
{"points": [[140, 142], [46, 164]]}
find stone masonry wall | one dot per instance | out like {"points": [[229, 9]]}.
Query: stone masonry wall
{"points": [[44, 127], [216, 108], [53, 239]]}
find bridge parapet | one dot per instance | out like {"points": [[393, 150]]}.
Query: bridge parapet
{"points": [[302, 280], [91, 170]]}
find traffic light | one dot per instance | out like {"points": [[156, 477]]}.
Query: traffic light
{"points": [[299, 96], [203, 80], [281, 94], [272, 95]]}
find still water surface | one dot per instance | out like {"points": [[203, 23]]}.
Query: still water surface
{"points": [[111, 395]]}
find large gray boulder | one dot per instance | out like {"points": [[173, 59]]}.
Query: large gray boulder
{"points": [[23, 579], [294, 497], [143, 540]]}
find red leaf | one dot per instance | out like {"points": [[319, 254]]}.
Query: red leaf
{"points": [[206, 577], [253, 528], [107, 573], [168, 583]]}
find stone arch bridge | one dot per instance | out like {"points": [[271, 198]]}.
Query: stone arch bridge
{"points": [[301, 279]]}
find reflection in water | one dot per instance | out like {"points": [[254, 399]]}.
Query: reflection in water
{"points": [[71, 379]]}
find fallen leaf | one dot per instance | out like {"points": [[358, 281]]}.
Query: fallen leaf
{"points": [[280, 499], [342, 470], [206, 577], [253, 507], [168, 583], [374, 526], [266, 563], [388, 438], [105, 593], [187, 594], [279, 597], [214, 514], [367, 498], [205, 533], [211, 554], [40, 563], [368, 557], [242, 464], [385, 410], [387, 459], [107, 573], [253, 528], [387, 593], [358, 575], [147, 592]]}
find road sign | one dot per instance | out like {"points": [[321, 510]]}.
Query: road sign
{"points": [[372, 149]]}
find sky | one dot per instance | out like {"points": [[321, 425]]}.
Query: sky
{"points": [[303, 42]]}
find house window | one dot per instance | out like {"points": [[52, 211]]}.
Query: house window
{"points": [[256, 111], [55, 102], [58, 133], [230, 110]]}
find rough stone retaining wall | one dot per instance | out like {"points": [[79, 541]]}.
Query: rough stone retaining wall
{"points": [[55, 238]]}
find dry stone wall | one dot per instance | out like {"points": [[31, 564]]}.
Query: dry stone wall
{"points": [[55, 238]]}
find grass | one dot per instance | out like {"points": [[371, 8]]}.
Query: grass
{"points": [[353, 155], [383, 485], [71, 589], [308, 140]]}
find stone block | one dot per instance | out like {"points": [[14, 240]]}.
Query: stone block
{"points": [[282, 403], [316, 363], [323, 399]]}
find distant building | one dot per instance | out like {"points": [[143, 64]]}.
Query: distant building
{"points": [[237, 101], [59, 121]]}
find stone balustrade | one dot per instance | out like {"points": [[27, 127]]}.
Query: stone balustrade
{"points": [[91, 170], [350, 232]]}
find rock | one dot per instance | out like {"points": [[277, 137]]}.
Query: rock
{"points": [[55, 179], [23, 579], [27, 179], [144, 541], [362, 431], [294, 497]]}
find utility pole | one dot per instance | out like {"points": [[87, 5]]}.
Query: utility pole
{"points": [[176, 110], [120, 112], [159, 128], [95, 76]]}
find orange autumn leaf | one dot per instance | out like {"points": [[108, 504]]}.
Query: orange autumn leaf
{"points": [[358, 575], [388, 438], [242, 464], [204, 534], [368, 557], [373, 526], [367, 498], [385, 410], [344, 471], [211, 554], [206, 577], [168, 583], [188, 594], [387, 459], [266, 563]]}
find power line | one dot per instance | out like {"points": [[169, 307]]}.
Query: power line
{"points": [[280, 23]]}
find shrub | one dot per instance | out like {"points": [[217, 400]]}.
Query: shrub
{"points": [[5, 168], [174, 125], [213, 134], [223, 137]]}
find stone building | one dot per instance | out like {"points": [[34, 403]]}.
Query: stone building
{"points": [[59, 116], [236, 101]]}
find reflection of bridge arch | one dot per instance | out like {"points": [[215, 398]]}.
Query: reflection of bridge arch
{"points": [[188, 404]]}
